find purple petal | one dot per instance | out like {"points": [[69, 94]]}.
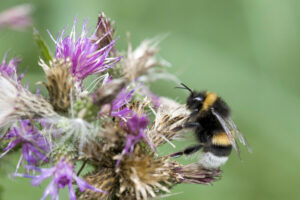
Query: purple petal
{"points": [[52, 190], [72, 194], [46, 173]]}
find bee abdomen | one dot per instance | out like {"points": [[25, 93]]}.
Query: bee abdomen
{"points": [[220, 145], [210, 161], [220, 139]]}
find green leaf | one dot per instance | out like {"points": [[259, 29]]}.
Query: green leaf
{"points": [[43, 47]]}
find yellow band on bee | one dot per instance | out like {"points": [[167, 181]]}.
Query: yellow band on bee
{"points": [[221, 139], [209, 100]]}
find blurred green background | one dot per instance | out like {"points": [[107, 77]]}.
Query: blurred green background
{"points": [[245, 50]]}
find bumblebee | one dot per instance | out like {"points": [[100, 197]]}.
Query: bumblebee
{"points": [[214, 129]]}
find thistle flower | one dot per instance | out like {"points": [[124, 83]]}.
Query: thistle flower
{"points": [[141, 62], [16, 101], [135, 128], [141, 175], [34, 145], [154, 99], [119, 108], [105, 179], [10, 69], [62, 175], [61, 85], [108, 92], [196, 174], [17, 17], [85, 56], [169, 122], [106, 128]]}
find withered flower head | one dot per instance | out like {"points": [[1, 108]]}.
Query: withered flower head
{"points": [[139, 61], [141, 175], [104, 33], [61, 84], [17, 102], [104, 179], [169, 122], [195, 173]]}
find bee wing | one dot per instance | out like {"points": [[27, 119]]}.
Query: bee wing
{"points": [[232, 132], [228, 130], [238, 134]]}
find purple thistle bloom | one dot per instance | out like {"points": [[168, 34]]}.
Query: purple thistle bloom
{"points": [[84, 54], [10, 69], [17, 17], [62, 175], [119, 108], [34, 145], [135, 128]]}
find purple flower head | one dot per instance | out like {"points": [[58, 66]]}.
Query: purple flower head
{"points": [[62, 175], [137, 124], [10, 69], [119, 108], [84, 54], [17, 17], [34, 145], [135, 128]]}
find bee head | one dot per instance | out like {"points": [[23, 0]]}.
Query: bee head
{"points": [[195, 100]]}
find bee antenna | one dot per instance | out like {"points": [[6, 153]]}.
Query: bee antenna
{"points": [[184, 87]]}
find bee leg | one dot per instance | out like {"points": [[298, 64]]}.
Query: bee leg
{"points": [[192, 125], [194, 113], [188, 125], [187, 151], [177, 154]]}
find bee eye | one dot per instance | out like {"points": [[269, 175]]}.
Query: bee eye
{"points": [[198, 99]]}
